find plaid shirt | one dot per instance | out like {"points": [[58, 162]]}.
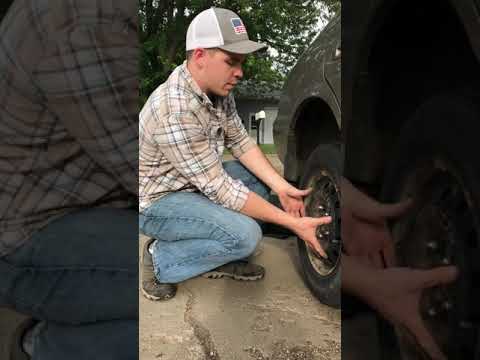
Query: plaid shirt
{"points": [[182, 138], [68, 109]]}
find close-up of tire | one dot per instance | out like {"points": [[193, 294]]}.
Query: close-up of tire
{"points": [[435, 163], [322, 174]]}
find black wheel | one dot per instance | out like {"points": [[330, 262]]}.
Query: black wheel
{"points": [[322, 173], [436, 163]]}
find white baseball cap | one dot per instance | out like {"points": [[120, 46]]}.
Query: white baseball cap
{"points": [[220, 28]]}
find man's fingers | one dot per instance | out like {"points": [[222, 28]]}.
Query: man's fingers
{"points": [[316, 247], [299, 193], [389, 254], [438, 276], [364, 260], [324, 220], [397, 209], [426, 340], [302, 210], [376, 260], [294, 213]]}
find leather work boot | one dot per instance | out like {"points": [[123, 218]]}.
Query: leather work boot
{"points": [[151, 288], [237, 270]]}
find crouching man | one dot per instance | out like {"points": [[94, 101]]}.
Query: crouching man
{"points": [[202, 214]]}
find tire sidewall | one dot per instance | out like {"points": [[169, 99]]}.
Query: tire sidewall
{"points": [[325, 288], [444, 127]]}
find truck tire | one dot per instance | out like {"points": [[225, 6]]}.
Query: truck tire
{"points": [[322, 172], [436, 163]]}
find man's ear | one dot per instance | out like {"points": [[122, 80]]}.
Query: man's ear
{"points": [[199, 56]]}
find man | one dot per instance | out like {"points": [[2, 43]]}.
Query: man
{"points": [[198, 209], [69, 167]]}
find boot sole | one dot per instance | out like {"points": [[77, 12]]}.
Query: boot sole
{"points": [[219, 275], [149, 265], [157, 298]]}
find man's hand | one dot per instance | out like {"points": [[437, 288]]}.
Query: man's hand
{"points": [[396, 295], [364, 228], [291, 199], [306, 228]]}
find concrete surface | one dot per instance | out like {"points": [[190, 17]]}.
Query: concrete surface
{"points": [[272, 319], [276, 318]]}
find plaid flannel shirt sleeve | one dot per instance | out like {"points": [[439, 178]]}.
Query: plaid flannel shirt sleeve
{"points": [[89, 80], [237, 139], [184, 143]]}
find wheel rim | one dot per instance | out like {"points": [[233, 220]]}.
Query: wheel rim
{"points": [[440, 231], [324, 200]]}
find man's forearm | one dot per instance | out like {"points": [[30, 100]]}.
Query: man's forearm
{"points": [[255, 161], [261, 209]]}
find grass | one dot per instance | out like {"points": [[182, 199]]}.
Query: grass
{"points": [[266, 148]]}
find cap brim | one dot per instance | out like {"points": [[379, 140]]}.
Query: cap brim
{"points": [[243, 47]]}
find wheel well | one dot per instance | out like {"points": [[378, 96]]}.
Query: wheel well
{"points": [[316, 125], [418, 50]]}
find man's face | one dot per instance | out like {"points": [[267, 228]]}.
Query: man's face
{"points": [[222, 71]]}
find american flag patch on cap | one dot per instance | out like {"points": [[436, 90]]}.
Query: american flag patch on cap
{"points": [[238, 26]]}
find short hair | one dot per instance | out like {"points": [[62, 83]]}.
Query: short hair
{"points": [[190, 52]]}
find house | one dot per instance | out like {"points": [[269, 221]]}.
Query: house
{"points": [[252, 98]]}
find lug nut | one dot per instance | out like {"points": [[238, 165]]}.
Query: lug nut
{"points": [[432, 245], [465, 324], [447, 305], [445, 261], [431, 312]]}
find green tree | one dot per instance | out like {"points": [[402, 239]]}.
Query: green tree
{"points": [[286, 26]]}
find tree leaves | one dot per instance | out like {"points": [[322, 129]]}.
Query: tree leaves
{"points": [[286, 26]]}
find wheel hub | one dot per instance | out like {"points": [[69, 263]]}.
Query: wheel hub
{"points": [[325, 201], [441, 231]]}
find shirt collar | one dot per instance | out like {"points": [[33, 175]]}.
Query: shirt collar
{"points": [[204, 99]]}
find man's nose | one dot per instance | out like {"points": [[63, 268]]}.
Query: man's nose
{"points": [[238, 72]]}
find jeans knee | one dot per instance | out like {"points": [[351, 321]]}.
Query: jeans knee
{"points": [[263, 191], [249, 239]]}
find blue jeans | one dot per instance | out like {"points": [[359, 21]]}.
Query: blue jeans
{"points": [[80, 276], [194, 235]]}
